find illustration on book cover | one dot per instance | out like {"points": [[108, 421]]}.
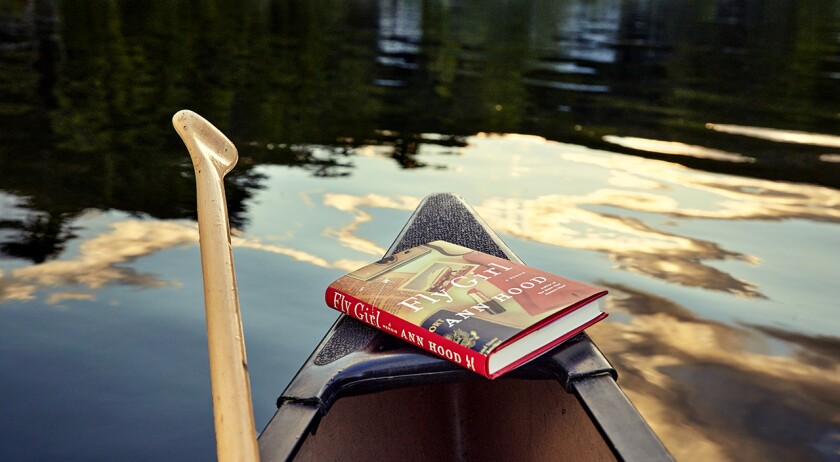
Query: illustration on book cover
{"points": [[470, 298]]}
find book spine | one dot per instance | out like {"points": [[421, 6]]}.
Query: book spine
{"points": [[411, 333]]}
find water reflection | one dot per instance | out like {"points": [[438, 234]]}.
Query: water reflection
{"points": [[346, 265], [781, 136], [636, 244], [718, 392], [37, 238], [741, 198], [675, 148], [101, 260], [355, 206], [105, 259], [603, 219], [87, 89], [629, 242]]}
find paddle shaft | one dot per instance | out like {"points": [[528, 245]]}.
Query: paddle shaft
{"points": [[213, 155]]}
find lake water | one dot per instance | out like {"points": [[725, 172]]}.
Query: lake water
{"points": [[685, 155]]}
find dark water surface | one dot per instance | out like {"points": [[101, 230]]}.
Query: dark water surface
{"points": [[686, 155]]}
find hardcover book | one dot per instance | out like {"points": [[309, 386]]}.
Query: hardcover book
{"points": [[485, 313]]}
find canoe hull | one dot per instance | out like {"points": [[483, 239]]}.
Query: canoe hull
{"points": [[364, 395]]}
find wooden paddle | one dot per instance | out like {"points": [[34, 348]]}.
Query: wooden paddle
{"points": [[213, 156]]}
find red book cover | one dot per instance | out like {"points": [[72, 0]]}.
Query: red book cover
{"points": [[485, 313]]}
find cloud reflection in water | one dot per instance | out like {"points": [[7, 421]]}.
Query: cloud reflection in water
{"points": [[105, 259], [101, 260], [629, 242], [676, 148], [605, 219], [713, 391], [351, 204], [777, 135]]}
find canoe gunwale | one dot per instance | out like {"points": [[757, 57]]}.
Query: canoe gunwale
{"points": [[355, 359]]}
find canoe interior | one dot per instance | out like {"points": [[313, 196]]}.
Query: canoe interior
{"points": [[507, 419]]}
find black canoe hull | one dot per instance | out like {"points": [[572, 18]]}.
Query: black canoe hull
{"points": [[368, 396]]}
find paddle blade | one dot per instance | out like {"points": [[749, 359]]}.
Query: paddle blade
{"points": [[205, 143]]}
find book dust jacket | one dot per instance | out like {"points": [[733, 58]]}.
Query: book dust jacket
{"points": [[457, 302]]}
